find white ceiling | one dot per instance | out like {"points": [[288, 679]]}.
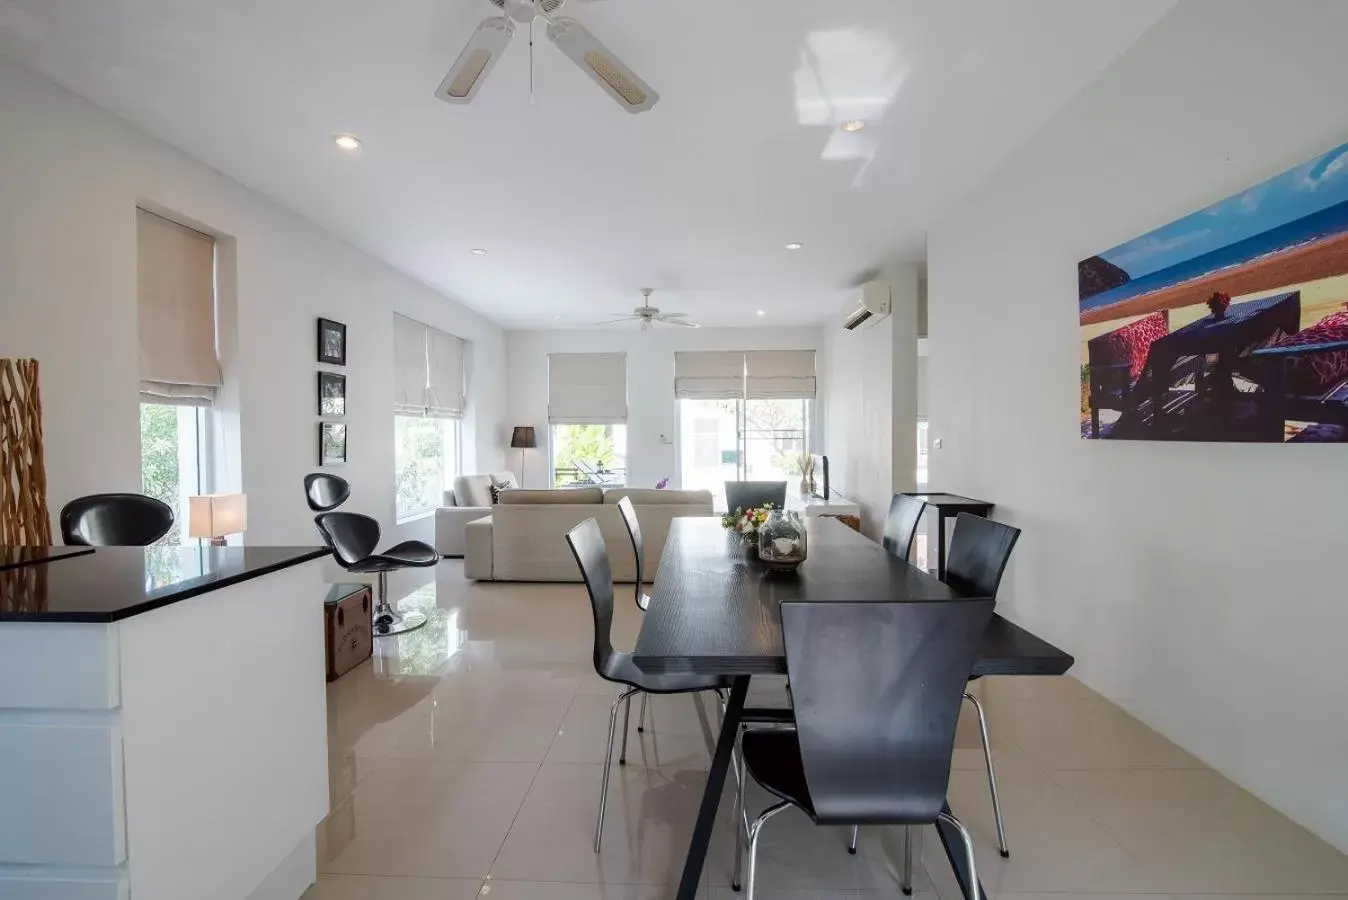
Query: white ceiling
{"points": [[579, 203]]}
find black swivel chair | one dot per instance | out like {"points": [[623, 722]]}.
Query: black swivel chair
{"points": [[587, 545], [754, 494], [115, 520], [905, 514], [979, 552], [353, 538], [876, 690]]}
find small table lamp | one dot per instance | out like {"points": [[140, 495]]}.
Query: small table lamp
{"points": [[523, 439], [216, 515]]}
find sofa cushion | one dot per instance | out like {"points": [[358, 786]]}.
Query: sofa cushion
{"points": [[652, 497], [472, 490], [574, 496], [475, 490]]}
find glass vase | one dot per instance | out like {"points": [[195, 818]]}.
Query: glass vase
{"points": [[781, 541]]}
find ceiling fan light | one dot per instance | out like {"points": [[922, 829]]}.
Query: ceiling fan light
{"points": [[470, 69], [597, 61]]}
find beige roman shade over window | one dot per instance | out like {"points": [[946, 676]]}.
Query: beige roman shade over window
{"points": [[709, 375], [409, 366], [779, 374], [444, 361], [175, 292], [427, 370], [587, 387]]}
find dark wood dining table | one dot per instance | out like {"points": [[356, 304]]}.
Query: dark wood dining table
{"points": [[713, 611]]}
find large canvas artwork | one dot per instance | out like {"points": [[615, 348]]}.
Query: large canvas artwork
{"points": [[1230, 324]]}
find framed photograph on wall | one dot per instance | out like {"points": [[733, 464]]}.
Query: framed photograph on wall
{"points": [[331, 342], [331, 444], [331, 394]]}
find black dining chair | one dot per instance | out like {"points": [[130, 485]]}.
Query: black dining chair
{"points": [[905, 514], [629, 516], [979, 552], [115, 520], [876, 689], [353, 539], [587, 546], [754, 494]]}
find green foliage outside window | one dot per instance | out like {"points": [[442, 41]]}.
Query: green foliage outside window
{"points": [[159, 475]]}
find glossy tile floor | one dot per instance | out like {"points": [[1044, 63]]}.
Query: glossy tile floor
{"points": [[465, 761]]}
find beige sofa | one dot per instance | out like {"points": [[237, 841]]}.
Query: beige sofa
{"points": [[470, 499], [524, 538]]}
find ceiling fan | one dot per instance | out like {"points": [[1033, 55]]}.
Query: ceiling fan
{"points": [[573, 39], [649, 315]]}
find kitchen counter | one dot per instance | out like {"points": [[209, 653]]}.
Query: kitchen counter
{"points": [[108, 584]]}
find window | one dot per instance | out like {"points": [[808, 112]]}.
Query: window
{"points": [[426, 457], [741, 440], [172, 464], [589, 453], [179, 370], [428, 402]]}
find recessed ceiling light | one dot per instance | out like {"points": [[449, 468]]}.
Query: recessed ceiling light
{"points": [[853, 125], [478, 251], [794, 245], [347, 141], [762, 313]]}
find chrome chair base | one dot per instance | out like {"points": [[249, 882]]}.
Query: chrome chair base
{"points": [[992, 776], [390, 623]]}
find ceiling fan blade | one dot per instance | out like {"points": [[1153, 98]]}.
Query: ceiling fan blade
{"points": [[680, 322], [674, 315], [484, 48], [616, 321], [597, 61]]}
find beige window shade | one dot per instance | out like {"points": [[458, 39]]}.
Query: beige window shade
{"points": [[779, 374], [409, 366], [444, 359], [709, 375], [587, 387], [175, 288]]}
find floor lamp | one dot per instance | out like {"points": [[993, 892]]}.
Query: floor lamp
{"points": [[523, 439]]}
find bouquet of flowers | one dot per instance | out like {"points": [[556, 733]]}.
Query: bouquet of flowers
{"points": [[745, 522]]}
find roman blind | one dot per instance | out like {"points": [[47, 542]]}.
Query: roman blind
{"points": [[709, 375], [444, 362], [587, 387], [779, 375], [175, 298], [409, 366]]}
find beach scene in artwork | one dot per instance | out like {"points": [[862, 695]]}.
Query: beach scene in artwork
{"points": [[1230, 324]]}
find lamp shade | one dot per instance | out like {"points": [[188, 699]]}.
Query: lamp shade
{"points": [[523, 438], [217, 515]]}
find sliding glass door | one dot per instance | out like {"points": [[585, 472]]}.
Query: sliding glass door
{"points": [[741, 440]]}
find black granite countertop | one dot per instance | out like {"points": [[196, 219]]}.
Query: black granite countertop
{"points": [[115, 583]]}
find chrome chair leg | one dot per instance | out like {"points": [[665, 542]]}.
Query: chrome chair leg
{"points": [[992, 775], [754, 830], [968, 846], [627, 717], [608, 765], [852, 845], [641, 716], [907, 884], [739, 824]]}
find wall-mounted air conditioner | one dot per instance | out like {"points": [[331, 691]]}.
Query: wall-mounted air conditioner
{"points": [[872, 305]]}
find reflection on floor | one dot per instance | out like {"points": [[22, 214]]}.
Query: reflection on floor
{"points": [[465, 761]]}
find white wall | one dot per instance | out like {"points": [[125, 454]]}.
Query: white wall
{"points": [[72, 176], [1201, 586], [871, 402], [652, 410]]}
